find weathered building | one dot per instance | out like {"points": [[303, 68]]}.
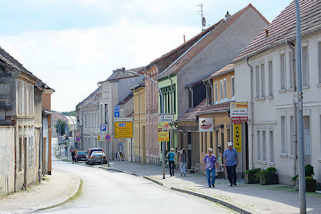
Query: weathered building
{"points": [[20, 125]]}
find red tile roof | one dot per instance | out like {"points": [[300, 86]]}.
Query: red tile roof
{"points": [[283, 27], [204, 108], [205, 40]]}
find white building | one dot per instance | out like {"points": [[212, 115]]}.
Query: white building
{"points": [[272, 115]]}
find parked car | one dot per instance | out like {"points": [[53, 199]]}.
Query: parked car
{"points": [[90, 150], [81, 156], [97, 157]]}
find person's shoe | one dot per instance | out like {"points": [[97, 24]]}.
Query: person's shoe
{"points": [[213, 185], [231, 185], [209, 186], [235, 184]]}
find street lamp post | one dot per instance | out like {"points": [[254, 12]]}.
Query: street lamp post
{"points": [[299, 112]]}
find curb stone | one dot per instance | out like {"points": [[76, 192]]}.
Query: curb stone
{"points": [[223, 203], [152, 180], [68, 198]]}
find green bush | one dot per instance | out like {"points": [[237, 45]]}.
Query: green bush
{"points": [[269, 176], [311, 184], [252, 176], [309, 171]]}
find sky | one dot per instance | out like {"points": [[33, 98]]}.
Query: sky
{"points": [[73, 44]]}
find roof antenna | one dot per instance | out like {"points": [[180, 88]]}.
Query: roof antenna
{"points": [[203, 19]]}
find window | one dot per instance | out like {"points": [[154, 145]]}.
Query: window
{"points": [[211, 140], [225, 90], [262, 80], [202, 142], [292, 69], [283, 135], [205, 142], [216, 92], [270, 78], [258, 142], [283, 71], [209, 88], [307, 135], [271, 146], [174, 100], [264, 145], [257, 81], [292, 134], [319, 61], [305, 67], [190, 98], [20, 153], [222, 88], [233, 86]]}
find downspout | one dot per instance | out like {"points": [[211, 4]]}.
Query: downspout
{"points": [[292, 46], [15, 157], [40, 151], [172, 107], [252, 112]]}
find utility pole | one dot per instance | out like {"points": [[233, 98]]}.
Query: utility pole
{"points": [[300, 112]]}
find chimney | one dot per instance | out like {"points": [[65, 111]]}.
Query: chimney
{"points": [[227, 16], [184, 38], [266, 32]]}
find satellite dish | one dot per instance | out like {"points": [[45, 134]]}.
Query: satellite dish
{"points": [[203, 21]]}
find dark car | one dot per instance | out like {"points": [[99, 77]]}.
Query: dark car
{"points": [[97, 157], [81, 156]]}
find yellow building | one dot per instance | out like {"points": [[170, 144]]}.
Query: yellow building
{"points": [[139, 124], [220, 93]]}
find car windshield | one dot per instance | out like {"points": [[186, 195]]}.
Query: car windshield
{"points": [[81, 153], [98, 153]]}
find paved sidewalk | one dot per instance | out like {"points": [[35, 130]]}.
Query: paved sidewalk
{"points": [[54, 190], [253, 198]]}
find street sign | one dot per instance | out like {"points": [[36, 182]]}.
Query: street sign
{"points": [[116, 114], [237, 132], [107, 138], [116, 108], [166, 118], [123, 119], [123, 129], [239, 112], [103, 127]]}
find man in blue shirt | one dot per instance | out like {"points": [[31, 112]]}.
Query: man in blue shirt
{"points": [[230, 161]]}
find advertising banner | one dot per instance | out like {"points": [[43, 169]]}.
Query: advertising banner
{"points": [[206, 124], [163, 134], [237, 137]]}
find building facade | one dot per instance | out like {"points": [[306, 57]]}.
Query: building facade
{"points": [[214, 50], [269, 62], [20, 125]]}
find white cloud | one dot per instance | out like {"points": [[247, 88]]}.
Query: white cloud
{"points": [[73, 61]]}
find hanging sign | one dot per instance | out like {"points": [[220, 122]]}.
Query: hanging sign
{"points": [[206, 124]]}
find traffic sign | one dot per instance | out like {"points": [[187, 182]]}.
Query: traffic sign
{"points": [[116, 114], [116, 108], [166, 118], [103, 127], [107, 138]]}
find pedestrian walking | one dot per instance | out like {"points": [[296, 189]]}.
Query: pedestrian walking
{"points": [[182, 162], [73, 155], [171, 159], [230, 162], [210, 165]]}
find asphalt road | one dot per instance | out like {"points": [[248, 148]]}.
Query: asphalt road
{"points": [[117, 193]]}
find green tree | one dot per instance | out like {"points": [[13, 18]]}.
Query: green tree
{"points": [[61, 127]]}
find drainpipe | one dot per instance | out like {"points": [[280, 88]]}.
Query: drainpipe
{"points": [[252, 113], [292, 46]]}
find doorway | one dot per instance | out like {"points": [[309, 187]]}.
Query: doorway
{"points": [[189, 150]]}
